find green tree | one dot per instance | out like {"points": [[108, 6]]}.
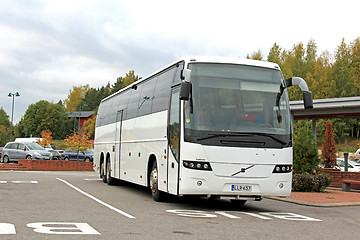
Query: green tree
{"points": [[44, 115], [355, 63], [275, 55], [342, 72], [4, 135], [4, 118], [306, 157], [255, 55]]}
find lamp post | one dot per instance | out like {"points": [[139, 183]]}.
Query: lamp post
{"points": [[13, 95]]}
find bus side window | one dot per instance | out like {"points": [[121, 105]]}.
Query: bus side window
{"points": [[146, 97], [132, 109], [162, 91]]}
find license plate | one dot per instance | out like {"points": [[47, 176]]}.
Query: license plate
{"points": [[241, 188]]}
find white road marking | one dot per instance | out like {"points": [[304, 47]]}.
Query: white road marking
{"points": [[3, 182], [97, 200], [92, 179], [25, 182]]}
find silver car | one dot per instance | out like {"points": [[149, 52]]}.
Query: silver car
{"points": [[13, 151]]}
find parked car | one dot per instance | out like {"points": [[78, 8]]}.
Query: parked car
{"points": [[13, 151], [87, 156], [352, 165], [54, 155], [1, 148]]}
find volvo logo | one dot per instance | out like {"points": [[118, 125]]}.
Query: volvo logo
{"points": [[242, 170]]}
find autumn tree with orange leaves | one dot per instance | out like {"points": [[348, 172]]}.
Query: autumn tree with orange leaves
{"points": [[79, 142], [46, 138], [329, 150]]}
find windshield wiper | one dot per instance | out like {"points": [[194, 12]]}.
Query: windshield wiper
{"points": [[230, 134], [268, 135], [246, 134]]}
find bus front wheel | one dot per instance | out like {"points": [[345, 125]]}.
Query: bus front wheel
{"points": [[154, 184]]}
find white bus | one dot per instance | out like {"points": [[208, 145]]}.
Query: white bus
{"points": [[213, 127]]}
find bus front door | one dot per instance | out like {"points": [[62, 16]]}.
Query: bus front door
{"points": [[116, 163], [174, 142]]}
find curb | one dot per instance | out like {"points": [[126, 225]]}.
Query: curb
{"points": [[342, 204]]}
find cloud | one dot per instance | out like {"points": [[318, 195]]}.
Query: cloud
{"points": [[47, 47]]}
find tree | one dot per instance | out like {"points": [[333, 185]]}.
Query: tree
{"points": [[46, 138], [4, 135], [4, 118], [328, 150], [75, 98], [342, 72], [275, 55], [355, 63], [306, 157], [122, 82], [255, 55], [44, 115], [79, 142]]}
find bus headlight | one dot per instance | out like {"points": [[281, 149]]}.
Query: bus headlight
{"points": [[197, 165], [283, 169]]}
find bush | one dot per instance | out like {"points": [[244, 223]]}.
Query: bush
{"points": [[306, 157], [310, 183]]}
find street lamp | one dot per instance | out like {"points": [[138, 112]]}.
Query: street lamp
{"points": [[13, 95]]}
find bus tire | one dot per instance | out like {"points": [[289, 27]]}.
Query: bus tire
{"points": [[102, 172], [109, 179], [157, 195]]}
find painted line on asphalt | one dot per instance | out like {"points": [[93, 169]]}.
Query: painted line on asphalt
{"points": [[96, 199]]}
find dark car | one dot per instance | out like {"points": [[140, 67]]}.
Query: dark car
{"points": [[54, 155], [87, 156]]}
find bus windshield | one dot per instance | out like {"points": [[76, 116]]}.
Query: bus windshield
{"points": [[236, 105]]}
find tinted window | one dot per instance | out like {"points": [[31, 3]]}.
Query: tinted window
{"points": [[177, 79], [174, 125], [103, 113], [132, 108], [12, 146], [21, 146], [162, 90], [146, 97]]}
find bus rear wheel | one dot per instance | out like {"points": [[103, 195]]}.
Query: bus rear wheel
{"points": [[109, 179], [102, 172], [157, 195]]}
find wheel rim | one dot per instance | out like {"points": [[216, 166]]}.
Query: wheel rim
{"points": [[153, 180], [6, 159], [28, 157]]}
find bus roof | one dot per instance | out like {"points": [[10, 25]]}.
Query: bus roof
{"points": [[205, 59]]}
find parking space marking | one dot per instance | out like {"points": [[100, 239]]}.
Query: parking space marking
{"points": [[92, 179], [232, 215], [33, 182], [96, 199], [19, 182]]}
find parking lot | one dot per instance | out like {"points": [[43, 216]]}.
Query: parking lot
{"points": [[59, 205]]}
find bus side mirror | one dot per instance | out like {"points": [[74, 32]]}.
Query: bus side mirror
{"points": [[185, 89], [308, 100]]}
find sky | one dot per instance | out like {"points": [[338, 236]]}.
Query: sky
{"points": [[49, 46]]}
